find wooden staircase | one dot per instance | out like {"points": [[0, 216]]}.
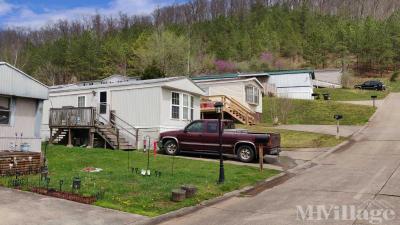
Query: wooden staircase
{"points": [[113, 132], [112, 137], [58, 135], [231, 106]]}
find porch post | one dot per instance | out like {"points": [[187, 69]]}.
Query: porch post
{"points": [[91, 138], [51, 136], [69, 138]]}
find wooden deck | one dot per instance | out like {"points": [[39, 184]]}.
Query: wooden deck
{"points": [[82, 117], [19, 162]]}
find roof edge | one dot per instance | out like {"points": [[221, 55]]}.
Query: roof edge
{"points": [[25, 74]]}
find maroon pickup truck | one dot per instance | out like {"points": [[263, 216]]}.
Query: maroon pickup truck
{"points": [[201, 136]]}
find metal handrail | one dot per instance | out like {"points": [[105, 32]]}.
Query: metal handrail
{"points": [[118, 127]]}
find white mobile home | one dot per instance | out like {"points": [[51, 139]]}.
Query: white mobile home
{"points": [[137, 108], [21, 105], [296, 84]]}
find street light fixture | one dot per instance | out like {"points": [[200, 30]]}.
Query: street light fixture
{"points": [[218, 109]]}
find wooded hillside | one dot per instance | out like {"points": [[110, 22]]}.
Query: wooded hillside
{"points": [[215, 36]]}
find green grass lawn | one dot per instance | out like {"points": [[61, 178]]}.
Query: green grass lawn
{"points": [[314, 112], [298, 139], [134, 193], [339, 94]]}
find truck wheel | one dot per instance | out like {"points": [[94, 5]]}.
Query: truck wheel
{"points": [[171, 147], [245, 153]]}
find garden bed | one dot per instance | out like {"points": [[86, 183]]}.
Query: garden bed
{"points": [[65, 195]]}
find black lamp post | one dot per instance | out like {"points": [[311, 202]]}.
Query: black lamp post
{"points": [[218, 108]]}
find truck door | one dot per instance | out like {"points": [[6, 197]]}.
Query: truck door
{"points": [[211, 139], [192, 138]]}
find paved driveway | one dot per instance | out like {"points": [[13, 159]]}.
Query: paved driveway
{"points": [[23, 208], [362, 175]]}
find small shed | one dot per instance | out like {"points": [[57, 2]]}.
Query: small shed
{"points": [[295, 84], [328, 78], [21, 107]]}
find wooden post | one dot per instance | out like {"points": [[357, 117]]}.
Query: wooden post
{"points": [[337, 130], [137, 139], [261, 156], [69, 138], [91, 138], [117, 138], [51, 136]]}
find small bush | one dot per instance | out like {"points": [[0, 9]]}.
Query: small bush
{"points": [[394, 76]]}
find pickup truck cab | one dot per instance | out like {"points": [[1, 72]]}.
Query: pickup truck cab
{"points": [[201, 136]]}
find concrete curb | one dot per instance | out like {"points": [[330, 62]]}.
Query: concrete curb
{"points": [[204, 204]]}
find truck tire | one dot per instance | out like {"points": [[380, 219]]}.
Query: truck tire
{"points": [[245, 153], [171, 147]]}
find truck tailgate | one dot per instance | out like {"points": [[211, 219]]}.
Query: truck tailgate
{"points": [[274, 141]]}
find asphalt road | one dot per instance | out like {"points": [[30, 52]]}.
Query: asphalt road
{"points": [[358, 184]]}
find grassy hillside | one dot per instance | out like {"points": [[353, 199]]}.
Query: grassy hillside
{"points": [[295, 111], [350, 94]]}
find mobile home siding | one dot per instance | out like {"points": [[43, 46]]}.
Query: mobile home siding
{"points": [[167, 123], [24, 114], [298, 86], [15, 83], [139, 107]]}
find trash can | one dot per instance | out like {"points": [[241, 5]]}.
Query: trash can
{"points": [[316, 95], [326, 96], [25, 147]]}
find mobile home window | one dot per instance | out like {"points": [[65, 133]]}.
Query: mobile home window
{"points": [[191, 107], [175, 105], [252, 95], [185, 107], [5, 111], [81, 101]]}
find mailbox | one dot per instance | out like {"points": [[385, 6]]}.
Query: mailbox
{"points": [[338, 117], [262, 139], [374, 96]]}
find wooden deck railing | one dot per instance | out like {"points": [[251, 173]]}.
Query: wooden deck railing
{"points": [[231, 106], [72, 117]]}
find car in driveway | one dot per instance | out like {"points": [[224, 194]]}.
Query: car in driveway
{"points": [[371, 85], [201, 136]]}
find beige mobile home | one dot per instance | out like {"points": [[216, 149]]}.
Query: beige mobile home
{"points": [[21, 105], [119, 112], [242, 98]]}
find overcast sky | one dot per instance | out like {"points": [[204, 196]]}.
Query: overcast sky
{"points": [[36, 13]]}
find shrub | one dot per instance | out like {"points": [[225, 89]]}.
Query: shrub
{"points": [[394, 76]]}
